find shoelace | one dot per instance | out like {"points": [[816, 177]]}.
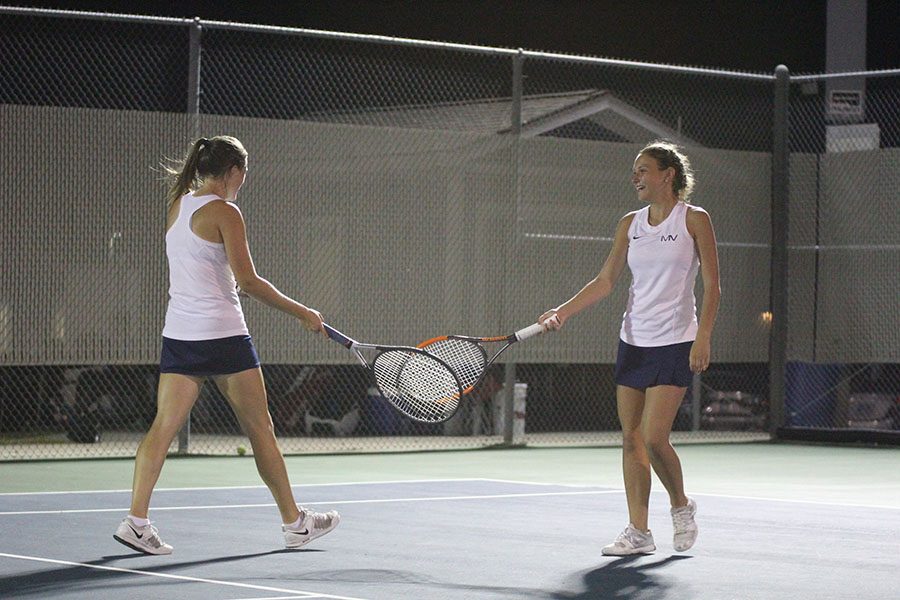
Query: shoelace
{"points": [[153, 538], [629, 535], [682, 518], [319, 520]]}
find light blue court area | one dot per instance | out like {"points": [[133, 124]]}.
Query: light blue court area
{"points": [[776, 521]]}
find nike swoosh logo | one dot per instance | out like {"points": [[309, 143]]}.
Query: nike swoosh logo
{"points": [[304, 532], [635, 237], [139, 535]]}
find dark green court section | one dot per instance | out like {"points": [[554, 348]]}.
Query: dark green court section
{"points": [[787, 471]]}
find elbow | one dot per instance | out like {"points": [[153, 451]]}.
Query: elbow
{"points": [[249, 285], [603, 287]]}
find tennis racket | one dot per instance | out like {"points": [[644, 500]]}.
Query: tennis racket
{"points": [[418, 384], [468, 356]]}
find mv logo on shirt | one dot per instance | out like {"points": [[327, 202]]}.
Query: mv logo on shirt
{"points": [[662, 238]]}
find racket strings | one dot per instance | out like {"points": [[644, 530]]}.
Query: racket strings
{"points": [[466, 358], [417, 384]]}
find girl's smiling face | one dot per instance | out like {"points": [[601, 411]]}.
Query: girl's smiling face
{"points": [[649, 180]]}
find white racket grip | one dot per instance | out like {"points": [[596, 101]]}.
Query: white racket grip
{"points": [[530, 331]]}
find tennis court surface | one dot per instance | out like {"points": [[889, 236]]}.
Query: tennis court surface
{"points": [[776, 521]]}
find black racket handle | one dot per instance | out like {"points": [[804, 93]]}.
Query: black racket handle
{"points": [[337, 336]]}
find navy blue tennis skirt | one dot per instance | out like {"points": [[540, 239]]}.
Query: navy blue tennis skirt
{"points": [[203, 358], [640, 368]]}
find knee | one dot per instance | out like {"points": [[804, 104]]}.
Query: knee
{"points": [[166, 425], [259, 427], [632, 441], [656, 445]]}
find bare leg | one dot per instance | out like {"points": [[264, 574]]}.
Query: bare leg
{"points": [[246, 393], [175, 397], [660, 408], [635, 463]]}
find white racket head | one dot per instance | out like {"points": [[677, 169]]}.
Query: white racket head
{"points": [[418, 384], [465, 357]]}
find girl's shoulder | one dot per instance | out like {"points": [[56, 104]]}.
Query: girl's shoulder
{"points": [[694, 209], [626, 221], [696, 218], [630, 216]]}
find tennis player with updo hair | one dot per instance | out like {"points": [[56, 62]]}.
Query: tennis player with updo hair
{"points": [[662, 342], [205, 335]]}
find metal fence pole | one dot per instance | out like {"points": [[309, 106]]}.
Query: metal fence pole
{"points": [[193, 91], [779, 260], [193, 109], [509, 375]]}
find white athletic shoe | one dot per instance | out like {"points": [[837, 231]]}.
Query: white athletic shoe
{"points": [[631, 541], [143, 539], [312, 526], [685, 527]]}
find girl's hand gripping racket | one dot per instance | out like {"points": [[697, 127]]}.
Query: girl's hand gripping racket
{"points": [[468, 356], [418, 384]]}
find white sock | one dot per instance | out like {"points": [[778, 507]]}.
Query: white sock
{"points": [[139, 521], [296, 524]]}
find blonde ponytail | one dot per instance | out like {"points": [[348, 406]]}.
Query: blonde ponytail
{"points": [[206, 158]]}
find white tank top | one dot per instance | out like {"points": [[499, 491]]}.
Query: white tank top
{"points": [[664, 262], [203, 299]]}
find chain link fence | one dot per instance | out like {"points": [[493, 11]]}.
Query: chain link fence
{"points": [[411, 189], [843, 371]]}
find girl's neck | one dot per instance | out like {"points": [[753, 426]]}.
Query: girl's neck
{"points": [[214, 188], [661, 209]]}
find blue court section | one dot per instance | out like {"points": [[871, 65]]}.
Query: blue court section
{"points": [[438, 539]]}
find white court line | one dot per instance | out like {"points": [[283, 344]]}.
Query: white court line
{"points": [[328, 502], [244, 487], [273, 598], [544, 483], [795, 501], [730, 496], [399, 481], [295, 593]]}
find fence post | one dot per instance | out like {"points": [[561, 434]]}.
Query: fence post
{"points": [[779, 258], [193, 110], [509, 373], [516, 113], [193, 91]]}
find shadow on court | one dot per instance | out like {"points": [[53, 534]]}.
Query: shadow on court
{"points": [[402, 582], [627, 577], [41, 584], [622, 578], [419, 581]]}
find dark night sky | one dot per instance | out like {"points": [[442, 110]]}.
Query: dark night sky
{"points": [[730, 34]]}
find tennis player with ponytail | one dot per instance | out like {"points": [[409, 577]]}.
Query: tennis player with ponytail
{"points": [[661, 342], [205, 336]]}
